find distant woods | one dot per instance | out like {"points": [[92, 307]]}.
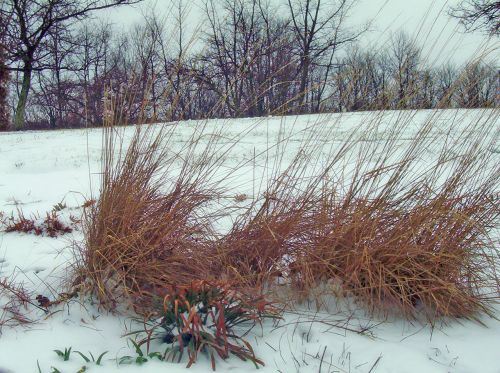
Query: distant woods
{"points": [[248, 59]]}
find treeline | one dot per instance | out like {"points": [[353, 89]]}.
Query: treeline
{"points": [[247, 60]]}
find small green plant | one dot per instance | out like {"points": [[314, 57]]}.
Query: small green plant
{"points": [[94, 360], [64, 355], [59, 206], [141, 358]]}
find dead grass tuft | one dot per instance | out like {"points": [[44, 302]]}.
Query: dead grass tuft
{"points": [[407, 235], [144, 232], [432, 258], [14, 302], [398, 232]]}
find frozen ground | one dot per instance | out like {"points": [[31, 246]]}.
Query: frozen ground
{"points": [[41, 169]]}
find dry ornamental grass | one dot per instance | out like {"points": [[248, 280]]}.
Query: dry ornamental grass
{"points": [[398, 233]]}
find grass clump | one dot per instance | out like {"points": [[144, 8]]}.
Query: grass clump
{"points": [[404, 225], [143, 232], [431, 258], [378, 222], [411, 235]]}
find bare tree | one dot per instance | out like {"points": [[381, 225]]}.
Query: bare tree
{"points": [[426, 95], [319, 28], [32, 20], [477, 86], [98, 57], [54, 85], [144, 43], [176, 63], [479, 15], [405, 59]]}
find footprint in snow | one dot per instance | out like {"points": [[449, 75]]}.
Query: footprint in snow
{"points": [[37, 270]]}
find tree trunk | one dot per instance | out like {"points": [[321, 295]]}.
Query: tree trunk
{"points": [[23, 97], [4, 110], [302, 99]]}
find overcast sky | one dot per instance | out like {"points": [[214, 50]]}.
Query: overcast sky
{"points": [[439, 35]]}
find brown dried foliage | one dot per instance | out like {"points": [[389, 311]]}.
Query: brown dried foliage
{"points": [[397, 237], [431, 258], [397, 233], [144, 231], [51, 226]]}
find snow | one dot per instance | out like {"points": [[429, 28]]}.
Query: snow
{"points": [[41, 169]]}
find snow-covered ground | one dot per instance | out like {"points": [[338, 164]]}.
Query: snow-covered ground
{"points": [[39, 170]]}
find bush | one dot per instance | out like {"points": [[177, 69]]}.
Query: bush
{"points": [[208, 317]]}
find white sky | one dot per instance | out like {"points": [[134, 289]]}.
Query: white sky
{"points": [[438, 34]]}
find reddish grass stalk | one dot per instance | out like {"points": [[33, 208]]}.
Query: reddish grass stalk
{"points": [[15, 300]]}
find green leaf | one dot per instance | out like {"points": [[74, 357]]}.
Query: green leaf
{"points": [[67, 353], [87, 360], [55, 370], [38, 365], [59, 353], [158, 355], [64, 355], [135, 332], [137, 348], [99, 359], [126, 360], [141, 360]]}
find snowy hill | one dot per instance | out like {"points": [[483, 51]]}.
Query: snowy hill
{"points": [[40, 170]]}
